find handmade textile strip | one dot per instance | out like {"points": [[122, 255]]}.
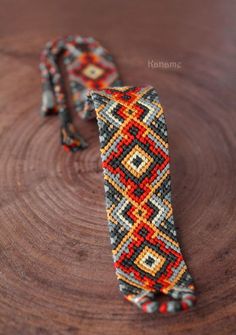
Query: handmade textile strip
{"points": [[135, 159], [88, 66]]}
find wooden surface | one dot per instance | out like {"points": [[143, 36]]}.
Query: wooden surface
{"points": [[56, 271]]}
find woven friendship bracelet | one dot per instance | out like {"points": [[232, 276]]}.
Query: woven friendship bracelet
{"points": [[88, 66], [135, 160]]}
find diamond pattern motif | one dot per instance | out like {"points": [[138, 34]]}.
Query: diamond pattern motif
{"points": [[92, 71], [137, 161], [149, 261]]}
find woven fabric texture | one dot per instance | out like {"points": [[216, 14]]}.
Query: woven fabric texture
{"points": [[135, 159]]}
